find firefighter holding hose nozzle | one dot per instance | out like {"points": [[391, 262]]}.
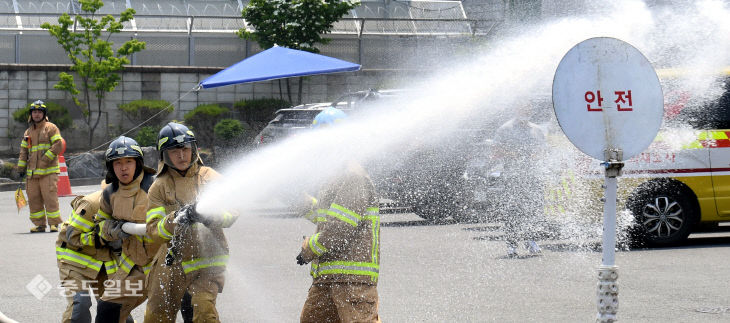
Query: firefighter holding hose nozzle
{"points": [[195, 251]]}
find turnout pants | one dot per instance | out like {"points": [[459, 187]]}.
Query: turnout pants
{"points": [[167, 285], [77, 287], [126, 289], [43, 199], [341, 302]]}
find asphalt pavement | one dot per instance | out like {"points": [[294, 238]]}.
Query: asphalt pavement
{"points": [[445, 272]]}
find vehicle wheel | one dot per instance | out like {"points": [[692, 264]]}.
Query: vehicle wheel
{"points": [[664, 213]]}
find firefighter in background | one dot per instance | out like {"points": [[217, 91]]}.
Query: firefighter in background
{"points": [[195, 250], [38, 160], [84, 263], [345, 248], [123, 208], [519, 144]]}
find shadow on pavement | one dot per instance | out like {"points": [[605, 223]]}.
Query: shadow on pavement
{"points": [[693, 243], [417, 223], [487, 228]]}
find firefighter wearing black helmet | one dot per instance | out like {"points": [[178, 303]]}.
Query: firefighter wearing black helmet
{"points": [[122, 215], [195, 250], [38, 161]]}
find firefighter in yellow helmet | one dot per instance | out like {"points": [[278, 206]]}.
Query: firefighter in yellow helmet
{"points": [[345, 248], [195, 250], [38, 161], [84, 263], [123, 208]]}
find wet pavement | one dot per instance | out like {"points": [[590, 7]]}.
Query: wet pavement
{"points": [[429, 273]]}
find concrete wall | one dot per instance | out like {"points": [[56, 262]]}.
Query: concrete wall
{"points": [[20, 84]]}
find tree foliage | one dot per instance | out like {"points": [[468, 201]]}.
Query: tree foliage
{"points": [[202, 119], [85, 39], [296, 24], [228, 130], [139, 111], [57, 114], [147, 136], [259, 110]]}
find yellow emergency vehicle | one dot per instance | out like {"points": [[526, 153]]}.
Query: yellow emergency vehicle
{"points": [[681, 183]]}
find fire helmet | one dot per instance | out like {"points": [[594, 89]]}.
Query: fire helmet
{"points": [[328, 117], [37, 105], [175, 135], [120, 148]]}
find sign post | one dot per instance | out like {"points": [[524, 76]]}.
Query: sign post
{"points": [[609, 103]]}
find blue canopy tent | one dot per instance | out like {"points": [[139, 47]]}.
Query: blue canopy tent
{"points": [[276, 63]]}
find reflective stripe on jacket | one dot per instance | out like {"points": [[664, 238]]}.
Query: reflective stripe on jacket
{"points": [[76, 244], [39, 149], [346, 244], [129, 203], [199, 247]]}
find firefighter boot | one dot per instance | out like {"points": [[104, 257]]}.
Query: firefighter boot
{"points": [[53, 228], [39, 228], [511, 249], [107, 311]]}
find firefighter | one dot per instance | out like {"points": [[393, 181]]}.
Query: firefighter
{"points": [[344, 250], [38, 161], [195, 250], [123, 208], [519, 144], [84, 263]]}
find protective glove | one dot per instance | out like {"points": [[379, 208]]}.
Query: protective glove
{"points": [[186, 215], [300, 260], [114, 230], [21, 171]]}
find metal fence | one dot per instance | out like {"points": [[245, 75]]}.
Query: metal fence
{"points": [[194, 41]]}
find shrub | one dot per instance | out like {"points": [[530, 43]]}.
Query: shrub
{"points": [[259, 110], [139, 111], [228, 130], [57, 114], [202, 119], [147, 136], [7, 170]]}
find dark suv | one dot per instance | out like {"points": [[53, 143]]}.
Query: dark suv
{"points": [[289, 121]]}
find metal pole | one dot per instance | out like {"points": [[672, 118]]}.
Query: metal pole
{"points": [[609, 222], [608, 271]]}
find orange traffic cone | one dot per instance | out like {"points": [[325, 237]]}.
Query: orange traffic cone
{"points": [[64, 185]]}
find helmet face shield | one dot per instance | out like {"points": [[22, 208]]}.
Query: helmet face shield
{"points": [[181, 156]]}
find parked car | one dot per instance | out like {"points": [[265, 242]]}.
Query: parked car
{"points": [[679, 185], [289, 121]]}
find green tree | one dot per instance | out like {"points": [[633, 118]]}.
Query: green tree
{"points": [[258, 112], [296, 24], [202, 119], [85, 39], [147, 136], [140, 111], [57, 114], [229, 131]]}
